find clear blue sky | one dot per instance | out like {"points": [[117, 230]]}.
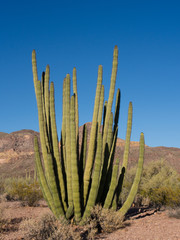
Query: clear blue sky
{"points": [[83, 34]]}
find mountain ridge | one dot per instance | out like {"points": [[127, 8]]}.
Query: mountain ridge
{"points": [[17, 152]]}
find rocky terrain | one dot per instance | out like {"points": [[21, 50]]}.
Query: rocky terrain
{"points": [[17, 153], [148, 225], [17, 157]]}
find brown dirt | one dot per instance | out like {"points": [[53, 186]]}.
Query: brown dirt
{"points": [[149, 225]]}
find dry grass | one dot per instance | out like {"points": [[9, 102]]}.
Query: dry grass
{"points": [[4, 224], [104, 220], [47, 227], [174, 213]]}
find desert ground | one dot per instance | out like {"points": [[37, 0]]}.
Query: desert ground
{"points": [[150, 224]]}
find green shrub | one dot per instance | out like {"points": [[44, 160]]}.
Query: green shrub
{"points": [[24, 190], [160, 185]]}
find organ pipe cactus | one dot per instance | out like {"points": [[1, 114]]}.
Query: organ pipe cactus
{"points": [[75, 178]]}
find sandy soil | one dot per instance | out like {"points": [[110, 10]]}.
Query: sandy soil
{"points": [[149, 225]]}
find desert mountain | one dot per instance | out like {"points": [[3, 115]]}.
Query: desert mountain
{"points": [[17, 153]]}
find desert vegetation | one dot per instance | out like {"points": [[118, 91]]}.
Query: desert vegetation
{"points": [[87, 189], [101, 220], [159, 185], [74, 182], [26, 190]]}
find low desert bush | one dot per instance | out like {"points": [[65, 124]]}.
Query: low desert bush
{"points": [[174, 213], [3, 222], [2, 191], [43, 228], [47, 227], [1, 186], [22, 189], [160, 185], [103, 220]]}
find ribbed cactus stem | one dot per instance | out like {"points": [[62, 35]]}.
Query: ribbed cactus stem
{"points": [[128, 136], [101, 107], [73, 183], [137, 179], [111, 96], [113, 184], [46, 127], [126, 151], [55, 145], [63, 129], [74, 164], [68, 144], [90, 157], [105, 158], [84, 146], [41, 125], [95, 179], [46, 96], [106, 174], [117, 107], [42, 179], [104, 115], [53, 186], [35, 174], [113, 148], [76, 102], [34, 70], [82, 161], [42, 83], [110, 133]]}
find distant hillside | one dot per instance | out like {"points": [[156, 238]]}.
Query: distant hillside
{"points": [[17, 153]]}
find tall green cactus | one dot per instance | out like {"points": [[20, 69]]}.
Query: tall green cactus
{"points": [[91, 150], [74, 179]]}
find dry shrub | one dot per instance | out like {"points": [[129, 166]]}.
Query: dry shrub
{"points": [[67, 232], [1, 186], [103, 220], [1, 219], [174, 213], [3, 222], [47, 227], [24, 190], [3, 197], [40, 229]]}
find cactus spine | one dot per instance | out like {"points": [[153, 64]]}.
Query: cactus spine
{"points": [[73, 181]]}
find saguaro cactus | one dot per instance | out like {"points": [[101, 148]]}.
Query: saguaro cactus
{"points": [[74, 179]]}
